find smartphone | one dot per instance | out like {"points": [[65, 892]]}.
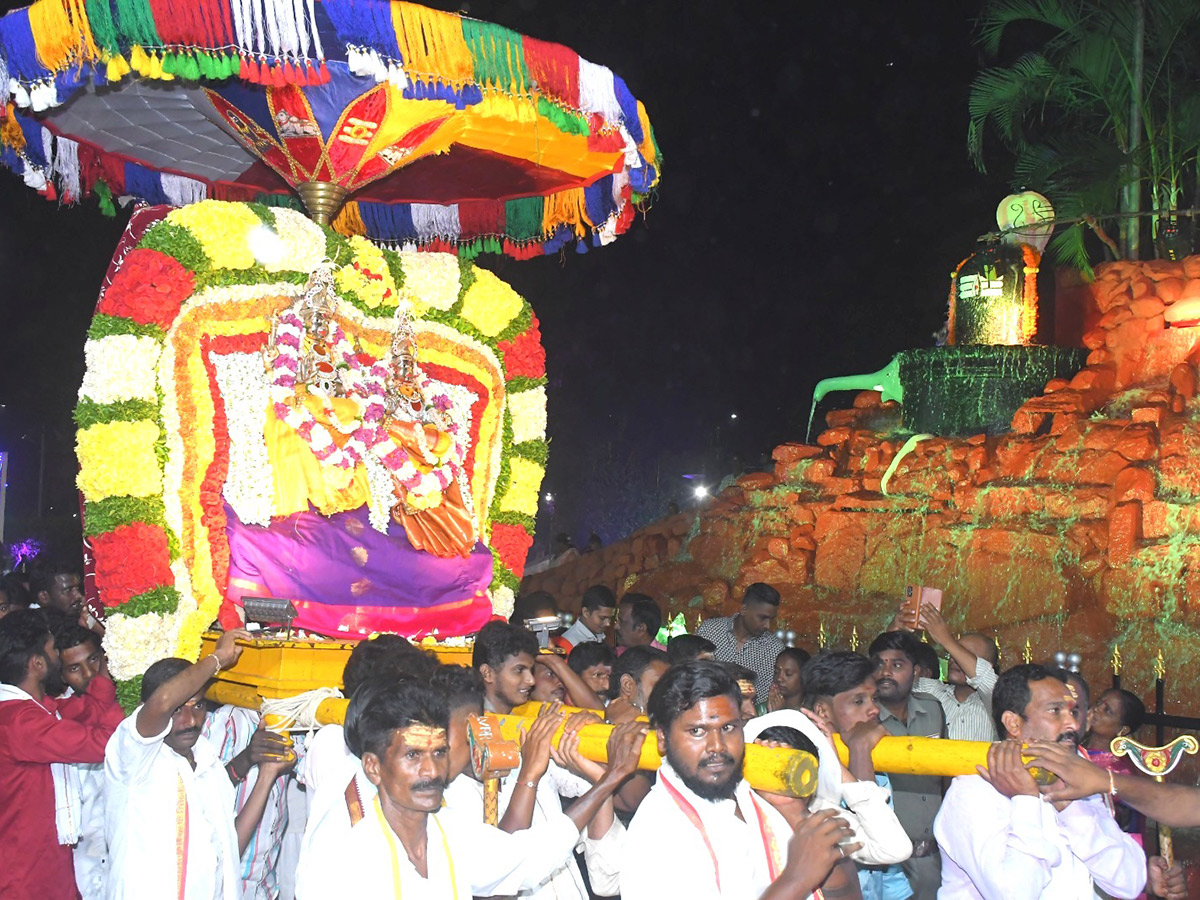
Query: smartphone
{"points": [[914, 596]]}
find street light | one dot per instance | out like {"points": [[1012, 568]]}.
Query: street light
{"points": [[700, 492]]}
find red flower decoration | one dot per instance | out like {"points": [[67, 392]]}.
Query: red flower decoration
{"points": [[131, 560], [524, 354], [148, 288], [512, 543]]}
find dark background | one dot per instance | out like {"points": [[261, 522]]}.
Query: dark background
{"points": [[816, 195]]}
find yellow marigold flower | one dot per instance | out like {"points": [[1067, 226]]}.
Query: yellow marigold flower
{"points": [[367, 275], [223, 230], [490, 304], [523, 487], [117, 459]]}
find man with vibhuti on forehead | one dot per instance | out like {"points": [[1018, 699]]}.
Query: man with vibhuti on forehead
{"points": [[406, 844], [1001, 839]]}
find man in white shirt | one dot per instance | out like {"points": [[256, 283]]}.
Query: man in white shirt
{"points": [[405, 844], [328, 765], [504, 657], [169, 816], [700, 833], [839, 689], [1001, 841], [596, 611]]}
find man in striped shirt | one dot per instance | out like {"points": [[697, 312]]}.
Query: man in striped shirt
{"points": [[242, 744], [967, 698]]}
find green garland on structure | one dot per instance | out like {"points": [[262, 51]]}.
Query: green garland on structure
{"points": [[161, 600], [129, 693], [107, 326]]}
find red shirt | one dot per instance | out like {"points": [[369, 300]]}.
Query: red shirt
{"points": [[33, 864]]}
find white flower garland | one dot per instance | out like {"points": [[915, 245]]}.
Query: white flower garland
{"points": [[431, 280], [135, 643], [382, 494], [249, 485], [528, 410], [120, 367], [503, 601], [303, 242]]}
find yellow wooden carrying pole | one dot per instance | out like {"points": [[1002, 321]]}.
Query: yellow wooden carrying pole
{"points": [[923, 756], [276, 669], [783, 771], [788, 772]]}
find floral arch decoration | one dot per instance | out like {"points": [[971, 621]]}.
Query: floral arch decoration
{"points": [[203, 422]]}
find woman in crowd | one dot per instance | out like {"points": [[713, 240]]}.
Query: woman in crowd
{"points": [[787, 688]]}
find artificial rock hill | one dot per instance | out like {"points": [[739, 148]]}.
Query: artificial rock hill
{"points": [[1079, 529]]}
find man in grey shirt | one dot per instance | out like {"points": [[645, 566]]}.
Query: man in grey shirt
{"points": [[597, 608], [916, 798]]}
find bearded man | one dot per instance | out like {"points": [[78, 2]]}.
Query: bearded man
{"points": [[40, 736], [702, 814], [1000, 839]]}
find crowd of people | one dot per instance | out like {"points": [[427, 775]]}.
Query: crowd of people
{"points": [[179, 799]]}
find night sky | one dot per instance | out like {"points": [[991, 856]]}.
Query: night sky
{"points": [[816, 194]]}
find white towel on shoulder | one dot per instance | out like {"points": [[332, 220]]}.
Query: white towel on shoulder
{"points": [[68, 792]]}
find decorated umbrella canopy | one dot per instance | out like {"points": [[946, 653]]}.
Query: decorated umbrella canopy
{"points": [[400, 123]]}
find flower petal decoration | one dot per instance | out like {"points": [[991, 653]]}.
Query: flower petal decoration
{"points": [[118, 459], [131, 560], [528, 410], [172, 446], [524, 483], [148, 288], [431, 280], [120, 367], [489, 304], [524, 355]]}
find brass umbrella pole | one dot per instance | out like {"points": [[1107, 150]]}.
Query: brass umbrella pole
{"points": [[322, 199]]}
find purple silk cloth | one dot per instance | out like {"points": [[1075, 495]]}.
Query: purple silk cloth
{"points": [[348, 580]]}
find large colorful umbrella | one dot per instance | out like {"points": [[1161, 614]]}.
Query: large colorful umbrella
{"points": [[393, 121]]}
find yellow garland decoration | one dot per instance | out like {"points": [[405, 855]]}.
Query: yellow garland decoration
{"points": [[223, 230], [490, 304], [194, 625], [524, 483], [117, 459], [368, 275]]}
